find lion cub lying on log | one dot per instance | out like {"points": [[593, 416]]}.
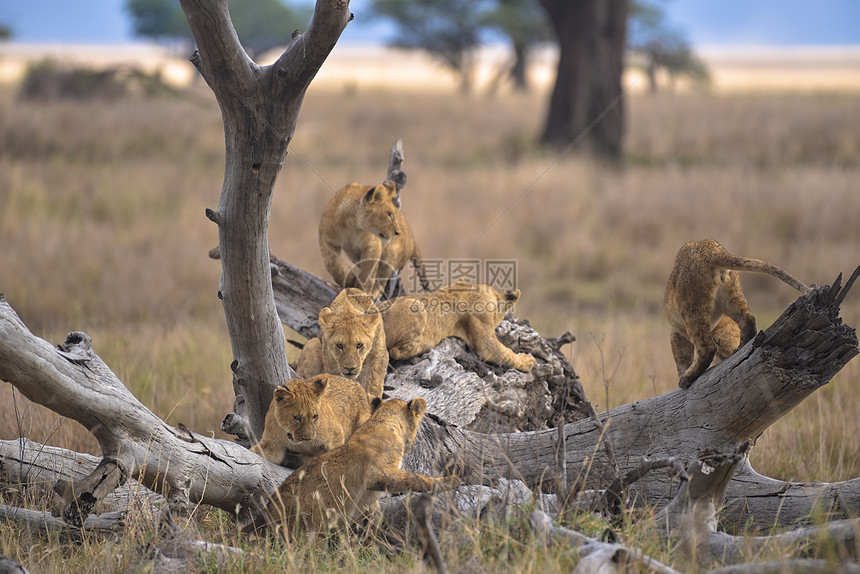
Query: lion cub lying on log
{"points": [[414, 324], [347, 482], [705, 305], [310, 417], [351, 342], [365, 223]]}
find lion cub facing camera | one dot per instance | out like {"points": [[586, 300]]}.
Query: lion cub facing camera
{"points": [[706, 307], [351, 342], [310, 417], [347, 482]]}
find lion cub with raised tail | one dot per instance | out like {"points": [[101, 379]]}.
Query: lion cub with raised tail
{"points": [[310, 417], [706, 307], [347, 482], [414, 324], [351, 342]]}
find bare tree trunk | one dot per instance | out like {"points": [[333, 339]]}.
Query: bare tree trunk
{"points": [[585, 101], [259, 106]]}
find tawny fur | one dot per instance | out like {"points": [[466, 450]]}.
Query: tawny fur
{"points": [[415, 324], [705, 304], [351, 342], [310, 417], [347, 482], [365, 223]]}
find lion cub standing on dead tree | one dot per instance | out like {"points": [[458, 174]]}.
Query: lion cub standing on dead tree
{"points": [[703, 299], [310, 417], [414, 324], [351, 342], [347, 482], [365, 223]]}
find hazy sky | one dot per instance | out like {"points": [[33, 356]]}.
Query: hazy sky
{"points": [[706, 22]]}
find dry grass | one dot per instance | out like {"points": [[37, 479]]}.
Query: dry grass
{"points": [[102, 229]]}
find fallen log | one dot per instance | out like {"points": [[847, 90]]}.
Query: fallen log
{"points": [[732, 403], [186, 467]]}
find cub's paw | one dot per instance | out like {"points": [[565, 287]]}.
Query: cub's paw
{"points": [[524, 362], [686, 382], [451, 482]]}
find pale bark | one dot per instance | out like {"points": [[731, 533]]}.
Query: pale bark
{"points": [[259, 107], [730, 404], [74, 382]]}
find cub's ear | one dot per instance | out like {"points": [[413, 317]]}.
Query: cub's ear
{"points": [[326, 317], [513, 295], [390, 186], [283, 393], [417, 406], [374, 404], [320, 384], [371, 194]]}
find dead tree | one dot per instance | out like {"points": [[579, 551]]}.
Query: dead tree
{"points": [[260, 106]]}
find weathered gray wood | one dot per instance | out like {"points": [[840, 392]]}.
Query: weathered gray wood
{"points": [[260, 107], [74, 382], [730, 404], [597, 557]]}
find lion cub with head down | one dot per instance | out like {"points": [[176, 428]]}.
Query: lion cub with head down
{"points": [[414, 324], [310, 417], [706, 307], [347, 482], [351, 342], [365, 223]]}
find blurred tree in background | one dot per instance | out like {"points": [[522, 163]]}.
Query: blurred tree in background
{"points": [[585, 103], [5, 32], [525, 26], [449, 30], [655, 45], [260, 24]]}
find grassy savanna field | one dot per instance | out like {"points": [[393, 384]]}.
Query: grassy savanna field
{"points": [[102, 230]]}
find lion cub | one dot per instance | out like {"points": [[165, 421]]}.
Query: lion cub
{"points": [[706, 307], [365, 223], [415, 324], [351, 342], [347, 482], [310, 417]]}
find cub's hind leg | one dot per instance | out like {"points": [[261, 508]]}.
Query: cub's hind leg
{"points": [[734, 304], [704, 349], [727, 336], [682, 351], [491, 350]]}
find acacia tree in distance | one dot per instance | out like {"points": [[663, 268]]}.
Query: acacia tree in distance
{"points": [[525, 26], [591, 39], [656, 45], [448, 30]]}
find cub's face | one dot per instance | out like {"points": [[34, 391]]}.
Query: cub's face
{"points": [[349, 346], [297, 404], [347, 334], [377, 210]]}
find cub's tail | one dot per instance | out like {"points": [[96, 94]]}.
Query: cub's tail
{"points": [[758, 266]]}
